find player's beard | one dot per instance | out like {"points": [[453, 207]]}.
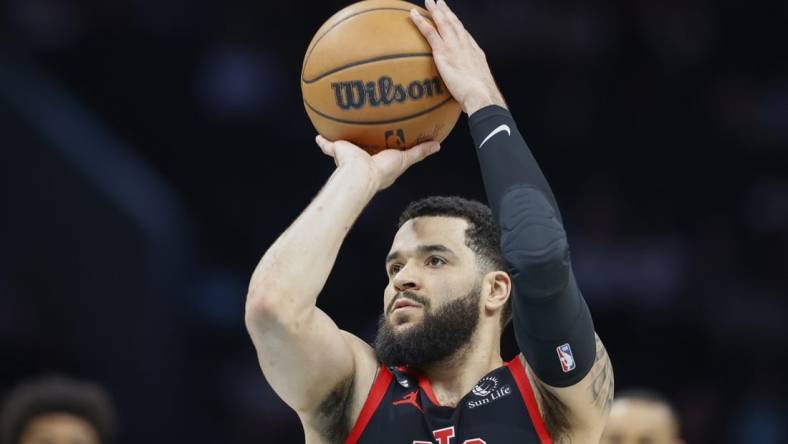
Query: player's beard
{"points": [[438, 336]]}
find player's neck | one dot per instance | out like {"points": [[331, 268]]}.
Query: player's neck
{"points": [[453, 378]]}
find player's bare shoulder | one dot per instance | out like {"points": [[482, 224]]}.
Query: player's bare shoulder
{"points": [[336, 414]]}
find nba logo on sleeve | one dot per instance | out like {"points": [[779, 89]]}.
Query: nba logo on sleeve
{"points": [[566, 357]]}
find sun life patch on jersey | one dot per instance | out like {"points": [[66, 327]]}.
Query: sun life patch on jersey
{"points": [[486, 386]]}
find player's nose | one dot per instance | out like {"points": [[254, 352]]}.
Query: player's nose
{"points": [[406, 279]]}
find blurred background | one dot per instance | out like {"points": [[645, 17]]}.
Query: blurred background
{"points": [[150, 151]]}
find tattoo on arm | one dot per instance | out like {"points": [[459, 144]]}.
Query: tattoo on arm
{"points": [[602, 384], [558, 418], [555, 415]]}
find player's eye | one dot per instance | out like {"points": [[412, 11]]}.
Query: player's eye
{"points": [[394, 269], [436, 261]]}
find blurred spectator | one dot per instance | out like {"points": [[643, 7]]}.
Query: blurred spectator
{"points": [[641, 416], [57, 410]]}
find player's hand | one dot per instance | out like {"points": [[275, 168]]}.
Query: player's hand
{"points": [[384, 167], [460, 60]]}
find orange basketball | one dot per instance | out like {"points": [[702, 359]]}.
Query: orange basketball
{"points": [[369, 78]]}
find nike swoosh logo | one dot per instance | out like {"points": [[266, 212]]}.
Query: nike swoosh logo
{"points": [[494, 132]]}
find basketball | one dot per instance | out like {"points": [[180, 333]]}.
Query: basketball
{"points": [[369, 78]]}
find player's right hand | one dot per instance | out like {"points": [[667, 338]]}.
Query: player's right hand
{"points": [[382, 168], [460, 61]]}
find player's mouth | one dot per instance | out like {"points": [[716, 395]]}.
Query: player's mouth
{"points": [[403, 304]]}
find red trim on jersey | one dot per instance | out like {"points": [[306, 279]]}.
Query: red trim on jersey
{"points": [[424, 384], [524, 384], [376, 393]]}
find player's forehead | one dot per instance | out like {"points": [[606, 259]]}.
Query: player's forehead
{"points": [[431, 230]]}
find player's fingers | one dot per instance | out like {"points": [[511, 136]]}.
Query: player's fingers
{"points": [[420, 152], [427, 30], [430, 5], [441, 20], [451, 18], [325, 146]]}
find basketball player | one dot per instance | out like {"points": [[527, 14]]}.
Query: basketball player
{"points": [[642, 417], [457, 273], [57, 410]]}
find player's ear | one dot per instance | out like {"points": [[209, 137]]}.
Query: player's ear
{"points": [[496, 290]]}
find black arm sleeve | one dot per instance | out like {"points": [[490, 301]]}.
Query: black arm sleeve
{"points": [[552, 324]]}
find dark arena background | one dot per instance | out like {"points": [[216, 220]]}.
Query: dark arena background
{"points": [[150, 151]]}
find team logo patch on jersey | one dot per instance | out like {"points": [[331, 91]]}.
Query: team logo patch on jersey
{"points": [[487, 385], [402, 378], [403, 381], [566, 357]]}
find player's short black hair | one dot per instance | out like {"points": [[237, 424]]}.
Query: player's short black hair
{"points": [[482, 235], [56, 394]]}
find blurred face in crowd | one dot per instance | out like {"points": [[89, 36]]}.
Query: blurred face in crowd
{"points": [[636, 421], [58, 428], [431, 303]]}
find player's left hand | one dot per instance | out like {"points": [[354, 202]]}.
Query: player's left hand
{"points": [[461, 62], [383, 168]]}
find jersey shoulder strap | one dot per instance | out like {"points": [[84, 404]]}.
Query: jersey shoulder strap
{"points": [[375, 396], [517, 369]]}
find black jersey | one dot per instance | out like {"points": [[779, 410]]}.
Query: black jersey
{"points": [[401, 408]]}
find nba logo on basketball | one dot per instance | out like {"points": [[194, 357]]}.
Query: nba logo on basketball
{"points": [[566, 357], [395, 139]]}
